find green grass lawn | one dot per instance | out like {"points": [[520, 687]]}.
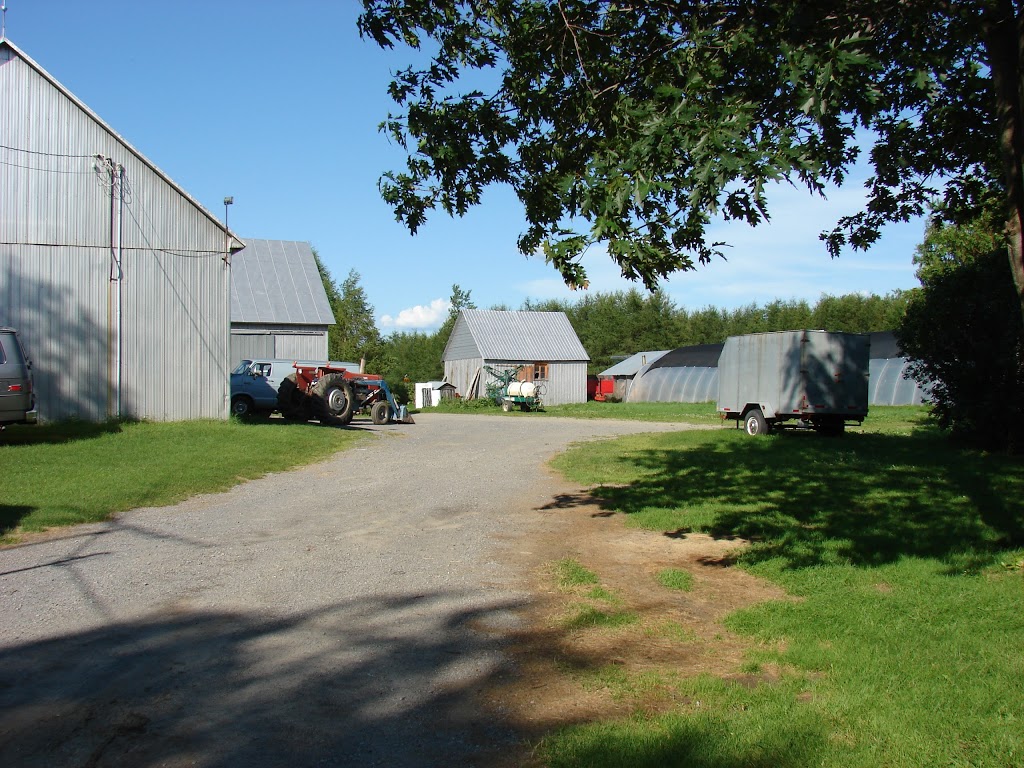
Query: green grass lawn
{"points": [[78, 472], [904, 645]]}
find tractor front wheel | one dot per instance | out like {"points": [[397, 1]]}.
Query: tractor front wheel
{"points": [[380, 413], [333, 401]]}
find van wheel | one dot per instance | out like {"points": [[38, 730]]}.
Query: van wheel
{"points": [[754, 422], [380, 413], [333, 402], [241, 406]]}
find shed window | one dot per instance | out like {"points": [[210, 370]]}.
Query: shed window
{"points": [[540, 371]]}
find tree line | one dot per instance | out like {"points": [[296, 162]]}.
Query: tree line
{"points": [[610, 326]]}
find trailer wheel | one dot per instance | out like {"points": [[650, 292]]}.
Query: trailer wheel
{"points": [[754, 422], [380, 413], [291, 402], [333, 401], [507, 405]]}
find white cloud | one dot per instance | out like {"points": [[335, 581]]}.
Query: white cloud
{"points": [[418, 317]]}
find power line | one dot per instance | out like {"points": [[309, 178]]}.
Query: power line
{"points": [[45, 154]]}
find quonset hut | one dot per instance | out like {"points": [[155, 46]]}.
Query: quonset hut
{"points": [[690, 375]]}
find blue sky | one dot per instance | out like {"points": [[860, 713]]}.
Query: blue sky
{"points": [[277, 104]]}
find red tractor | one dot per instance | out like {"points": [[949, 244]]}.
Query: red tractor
{"points": [[333, 395]]}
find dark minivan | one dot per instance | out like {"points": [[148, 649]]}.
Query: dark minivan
{"points": [[17, 400]]}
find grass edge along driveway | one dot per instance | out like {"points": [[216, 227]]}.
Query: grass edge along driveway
{"points": [[78, 472]]}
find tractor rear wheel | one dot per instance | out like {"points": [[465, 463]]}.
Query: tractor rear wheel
{"points": [[380, 413], [291, 401], [333, 401]]}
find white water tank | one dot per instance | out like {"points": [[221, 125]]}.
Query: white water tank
{"points": [[522, 389]]}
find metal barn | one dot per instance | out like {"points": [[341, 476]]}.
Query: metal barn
{"points": [[544, 343], [279, 308], [116, 278]]}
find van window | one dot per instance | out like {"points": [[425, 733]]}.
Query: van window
{"points": [[3, 355]]}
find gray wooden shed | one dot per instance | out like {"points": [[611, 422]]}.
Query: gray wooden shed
{"points": [[279, 307], [115, 277], [544, 343]]}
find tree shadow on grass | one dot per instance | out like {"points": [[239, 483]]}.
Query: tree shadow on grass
{"points": [[864, 499]]}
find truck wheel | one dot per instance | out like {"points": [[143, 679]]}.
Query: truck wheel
{"points": [[380, 413], [506, 406], [333, 402], [754, 422], [241, 406], [291, 401]]}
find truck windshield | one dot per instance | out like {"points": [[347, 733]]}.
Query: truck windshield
{"points": [[242, 367]]}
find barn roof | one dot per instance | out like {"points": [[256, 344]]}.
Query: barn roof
{"points": [[520, 335], [277, 281]]}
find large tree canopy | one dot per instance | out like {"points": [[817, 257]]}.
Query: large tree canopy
{"points": [[635, 124]]}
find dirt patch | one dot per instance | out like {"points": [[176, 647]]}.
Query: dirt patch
{"points": [[559, 669]]}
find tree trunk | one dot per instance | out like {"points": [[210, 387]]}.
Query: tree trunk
{"points": [[1004, 38]]}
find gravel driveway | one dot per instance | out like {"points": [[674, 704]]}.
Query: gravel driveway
{"points": [[341, 614]]}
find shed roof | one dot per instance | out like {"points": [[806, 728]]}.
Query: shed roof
{"points": [[520, 335], [277, 281], [633, 363]]}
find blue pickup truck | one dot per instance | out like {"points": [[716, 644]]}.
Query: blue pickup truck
{"points": [[254, 383]]}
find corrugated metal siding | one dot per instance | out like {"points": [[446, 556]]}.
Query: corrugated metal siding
{"points": [[56, 208], [461, 373], [461, 345], [500, 335], [306, 346], [295, 342], [277, 281], [249, 346], [566, 382], [58, 302]]}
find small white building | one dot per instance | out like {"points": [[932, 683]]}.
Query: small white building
{"points": [[431, 393]]}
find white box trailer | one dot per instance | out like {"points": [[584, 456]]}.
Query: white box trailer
{"points": [[805, 379]]}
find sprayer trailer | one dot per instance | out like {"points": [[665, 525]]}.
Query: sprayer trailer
{"points": [[800, 379]]}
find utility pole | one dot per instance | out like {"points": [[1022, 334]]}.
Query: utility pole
{"points": [[227, 233]]}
